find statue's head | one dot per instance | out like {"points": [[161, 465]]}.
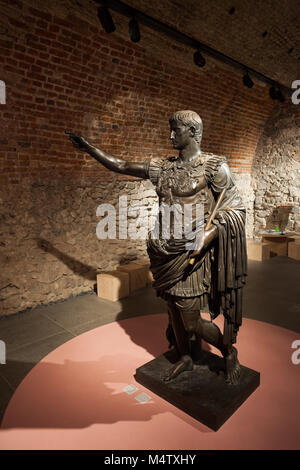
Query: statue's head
{"points": [[185, 125]]}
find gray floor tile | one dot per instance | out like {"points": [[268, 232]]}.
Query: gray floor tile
{"points": [[22, 360], [80, 310], [271, 295], [272, 292], [142, 302], [2, 411], [79, 329], [25, 328], [6, 393]]}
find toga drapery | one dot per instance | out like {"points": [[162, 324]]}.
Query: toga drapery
{"points": [[218, 276]]}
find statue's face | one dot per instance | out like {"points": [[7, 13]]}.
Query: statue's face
{"points": [[181, 135]]}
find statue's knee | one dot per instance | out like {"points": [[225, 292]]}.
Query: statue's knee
{"points": [[190, 321], [188, 313]]}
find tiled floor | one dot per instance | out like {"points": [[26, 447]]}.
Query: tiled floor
{"points": [[271, 295]]}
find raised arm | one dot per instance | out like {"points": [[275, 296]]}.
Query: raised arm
{"points": [[110, 162]]}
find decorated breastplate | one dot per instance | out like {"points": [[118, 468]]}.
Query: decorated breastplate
{"points": [[180, 180]]}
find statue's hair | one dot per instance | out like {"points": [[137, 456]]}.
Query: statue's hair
{"points": [[189, 118]]}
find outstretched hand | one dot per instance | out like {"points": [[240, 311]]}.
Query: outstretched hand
{"points": [[78, 141]]}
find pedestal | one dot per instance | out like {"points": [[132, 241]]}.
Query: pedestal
{"points": [[203, 392]]}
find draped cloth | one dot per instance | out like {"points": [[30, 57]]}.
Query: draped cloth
{"points": [[229, 271], [218, 275]]}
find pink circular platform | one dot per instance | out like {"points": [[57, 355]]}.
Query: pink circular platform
{"points": [[74, 398]]}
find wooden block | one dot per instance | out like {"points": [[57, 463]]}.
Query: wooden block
{"points": [[278, 245], [278, 248], [294, 238], [146, 263], [294, 250], [138, 275], [113, 285], [258, 251], [142, 261]]}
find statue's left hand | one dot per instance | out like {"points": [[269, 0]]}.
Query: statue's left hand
{"points": [[201, 244], [204, 241]]}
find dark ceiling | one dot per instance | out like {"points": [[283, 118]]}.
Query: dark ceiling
{"points": [[262, 34]]}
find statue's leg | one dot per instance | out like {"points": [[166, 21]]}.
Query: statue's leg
{"points": [[209, 331], [182, 338]]}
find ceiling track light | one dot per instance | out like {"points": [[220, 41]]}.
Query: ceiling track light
{"points": [[157, 25], [276, 94], [106, 19], [199, 59], [273, 93], [247, 80], [280, 96], [134, 30]]}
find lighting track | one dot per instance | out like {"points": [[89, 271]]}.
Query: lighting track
{"points": [[150, 22]]}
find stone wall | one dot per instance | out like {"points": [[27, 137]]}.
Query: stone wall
{"points": [[62, 71], [276, 172], [48, 245]]}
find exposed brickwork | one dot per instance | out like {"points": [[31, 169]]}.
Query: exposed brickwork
{"points": [[259, 34], [64, 72]]}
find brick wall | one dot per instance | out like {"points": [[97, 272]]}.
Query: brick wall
{"points": [[63, 72]]}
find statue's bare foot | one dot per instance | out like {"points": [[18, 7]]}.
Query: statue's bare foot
{"points": [[184, 364], [233, 368]]}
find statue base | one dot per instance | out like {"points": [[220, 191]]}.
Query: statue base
{"points": [[203, 392]]}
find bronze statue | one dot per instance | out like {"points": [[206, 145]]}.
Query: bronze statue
{"points": [[212, 276]]}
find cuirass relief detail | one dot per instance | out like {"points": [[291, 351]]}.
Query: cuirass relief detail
{"points": [[183, 183]]}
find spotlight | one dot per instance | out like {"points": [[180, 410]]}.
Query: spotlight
{"points": [[273, 93], [134, 30], [247, 81], [277, 94], [280, 97], [199, 59], [106, 20]]}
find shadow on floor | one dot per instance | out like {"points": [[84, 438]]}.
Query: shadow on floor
{"points": [[271, 295], [78, 396]]}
